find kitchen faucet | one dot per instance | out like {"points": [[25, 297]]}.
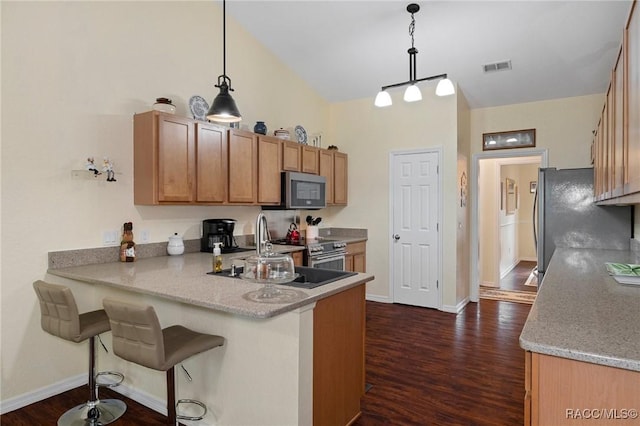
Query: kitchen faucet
{"points": [[262, 236]]}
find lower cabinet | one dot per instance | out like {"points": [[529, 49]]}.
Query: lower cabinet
{"points": [[297, 258], [338, 357], [356, 258], [561, 391]]}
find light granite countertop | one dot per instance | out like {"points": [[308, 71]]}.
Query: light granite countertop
{"points": [[184, 279], [582, 313]]}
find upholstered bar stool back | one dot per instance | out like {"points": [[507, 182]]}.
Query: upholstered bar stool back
{"points": [[139, 338], [59, 316]]}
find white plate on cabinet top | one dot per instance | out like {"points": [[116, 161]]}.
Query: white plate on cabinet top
{"points": [[624, 273], [301, 134], [199, 107]]}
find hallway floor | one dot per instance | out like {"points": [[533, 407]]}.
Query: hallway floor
{"points": [[516, 279]]}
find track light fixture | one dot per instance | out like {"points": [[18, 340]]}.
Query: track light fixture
{"points": [[224, 109], [412, 93]]}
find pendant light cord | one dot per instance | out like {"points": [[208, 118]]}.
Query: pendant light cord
{"points": [[412, 28], [224, 38]]}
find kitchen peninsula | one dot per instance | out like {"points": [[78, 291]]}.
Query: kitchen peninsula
{"points": [[280, 363], [581, 338]]}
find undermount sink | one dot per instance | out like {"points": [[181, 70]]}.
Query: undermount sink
{"points": [[308, 277]]}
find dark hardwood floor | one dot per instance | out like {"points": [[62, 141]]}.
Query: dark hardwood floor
{"points": [[426, 367], [518, 276]]}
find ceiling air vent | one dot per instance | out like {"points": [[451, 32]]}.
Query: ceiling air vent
{"points": [[498, 66]]}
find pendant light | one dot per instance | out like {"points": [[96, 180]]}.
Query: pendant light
{"points": [[412, 93], [224, 109]]}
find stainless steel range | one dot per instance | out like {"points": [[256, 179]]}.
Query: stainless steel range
{"points": [[322, 253]]}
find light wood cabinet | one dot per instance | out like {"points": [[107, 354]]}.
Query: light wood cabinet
{"points": [[269, 167], [340, 178], [617, 137], [632, 181], [356, 258], [310, 160], [178, 160], [211, 163], [297, 258], [291, 156], [561, 391], [333, 166], [338, 357], [164, 158], [326, 170], [618, 132], [243, 167]]}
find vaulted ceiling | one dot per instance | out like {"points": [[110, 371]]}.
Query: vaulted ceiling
{"points": [[349, 49]]}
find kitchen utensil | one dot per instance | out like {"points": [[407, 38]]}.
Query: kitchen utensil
{"points": [[316, 221], [309, 220]]}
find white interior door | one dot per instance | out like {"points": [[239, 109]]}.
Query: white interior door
{"points": [[415, 244]]}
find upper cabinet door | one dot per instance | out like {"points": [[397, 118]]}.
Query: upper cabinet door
{"points": [[243, 167], [291, 156], [617, 123], [310, 160], [269, 160], [176, 159], [340, 178], [211, 159], [326, 170], [632, 175]]}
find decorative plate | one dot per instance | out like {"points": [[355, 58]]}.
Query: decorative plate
{"points": [[301, 134], [199, 107], [624, 273]]}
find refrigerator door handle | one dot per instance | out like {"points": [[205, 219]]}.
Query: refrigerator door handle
{"points": [[540, 188]]}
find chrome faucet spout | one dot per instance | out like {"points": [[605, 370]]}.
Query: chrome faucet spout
{"points": [[262, 234]]}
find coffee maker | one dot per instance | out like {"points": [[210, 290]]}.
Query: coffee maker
{"points": [[218, 231]]}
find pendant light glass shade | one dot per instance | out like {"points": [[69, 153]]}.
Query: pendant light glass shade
{"points": [[224, 109], [412, 94], [445, 88], [383, 99]]}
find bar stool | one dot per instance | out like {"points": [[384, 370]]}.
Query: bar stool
{"points": [[138, 338], [60, 317]]}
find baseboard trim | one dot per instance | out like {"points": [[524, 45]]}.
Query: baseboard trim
{"points": [[381, 299], [456, 309], [143, 398], [57, 388]]}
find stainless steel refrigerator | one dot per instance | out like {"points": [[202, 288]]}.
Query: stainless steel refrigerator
{"points": [[568, 216]]}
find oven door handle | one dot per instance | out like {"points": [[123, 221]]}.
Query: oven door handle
{"points": [[328, 256]]}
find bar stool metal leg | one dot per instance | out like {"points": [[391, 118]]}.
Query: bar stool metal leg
{"points": [[94, 412]]}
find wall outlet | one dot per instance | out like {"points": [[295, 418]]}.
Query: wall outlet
{"points": [[144, 236], [110, 238]]}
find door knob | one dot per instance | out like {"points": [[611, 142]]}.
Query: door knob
{"points": [[396, 237]]}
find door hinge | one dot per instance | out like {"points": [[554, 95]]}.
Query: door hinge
{"points": [[437, 284], [437, 170], [437, 227]]}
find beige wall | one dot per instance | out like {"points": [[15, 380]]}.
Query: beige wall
{"points": [[369, 135], [563, 126], [73, 75]]}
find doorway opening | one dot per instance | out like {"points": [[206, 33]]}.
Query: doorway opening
{"points": [[503, 250]]}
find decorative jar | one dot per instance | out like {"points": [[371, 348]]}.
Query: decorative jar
{"points": [[175, 246], [260, 128]]}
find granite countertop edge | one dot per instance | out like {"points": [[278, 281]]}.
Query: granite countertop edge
{"points": [[184, 279], [582, 313]]}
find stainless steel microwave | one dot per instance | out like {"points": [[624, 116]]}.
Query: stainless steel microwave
{"points": [[303, 191]]}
